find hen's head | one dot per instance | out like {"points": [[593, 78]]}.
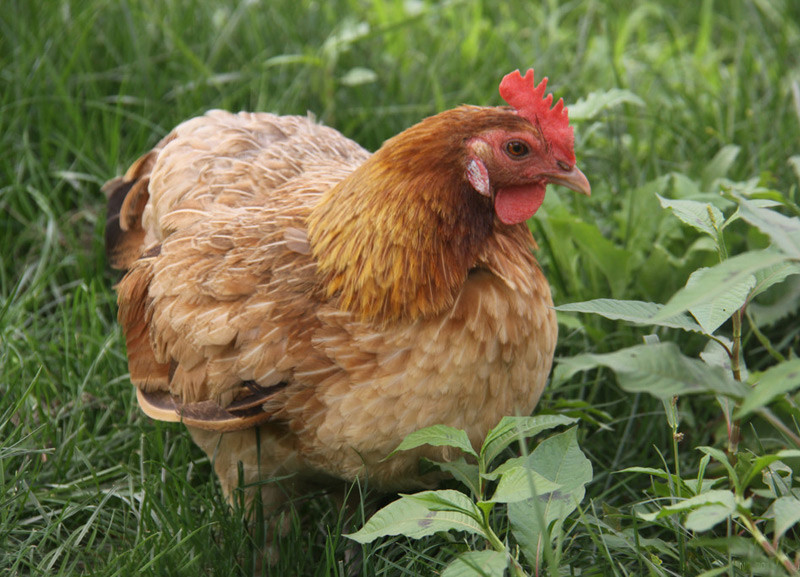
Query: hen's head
{"points": [[512, 162], [397, 237]]}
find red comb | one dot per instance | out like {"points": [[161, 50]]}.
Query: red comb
{"points": [[531, 103]]}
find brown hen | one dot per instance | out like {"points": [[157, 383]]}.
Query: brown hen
{"points": [[302, 305]]}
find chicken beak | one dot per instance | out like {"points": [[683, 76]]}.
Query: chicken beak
{"points": [[573, 179]]}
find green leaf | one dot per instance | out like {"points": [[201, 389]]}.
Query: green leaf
{"points": [[478, 564], [684, 187], [611, 260], [784, 231], [719, 166], [521, 483], [707, 517], [637, 312], [712, 314], [774, 382], [702, 216], [781, 306], [717, 280], [715, 453], [447, 500], [659, 369], [714, 497], [437, 435], [463, 472], [764, 461], [705, 510], [596, 102], [510, 429], [688, 485], [411, 517], [786, 512], [773, 275], [535, 521]]}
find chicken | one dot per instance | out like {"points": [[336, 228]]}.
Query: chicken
{"points": [[302, 305]]}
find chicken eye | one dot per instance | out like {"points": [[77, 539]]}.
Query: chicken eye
{"points": [[563, 165], [516, 149]]}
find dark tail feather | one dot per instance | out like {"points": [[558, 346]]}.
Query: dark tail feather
{"points": [[127, 197]]}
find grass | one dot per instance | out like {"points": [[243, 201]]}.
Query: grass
{"points": [[88, 485]]}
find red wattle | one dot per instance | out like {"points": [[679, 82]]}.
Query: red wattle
{"points": [[516, 204]]}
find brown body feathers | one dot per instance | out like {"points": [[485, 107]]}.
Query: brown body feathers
{"points": [[281, 282]]}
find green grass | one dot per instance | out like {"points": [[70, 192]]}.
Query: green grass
{"points": [[88, 485]]}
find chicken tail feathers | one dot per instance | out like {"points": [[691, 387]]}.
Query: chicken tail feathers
{"points": [[127, 197], [244, 413]]}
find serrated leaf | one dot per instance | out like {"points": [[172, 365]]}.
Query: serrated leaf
{"points": [[702, 216], [521, 483], [775, 381], [786, 512], [637, 312], [412, 518], [478, 564], [596, 102], [534, 521], [661, 370], [510, 429], [718, 279], [784, 231], [437, 435], [712, 314]]}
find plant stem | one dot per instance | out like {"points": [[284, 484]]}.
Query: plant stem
{"points": [[676, 436], [768, 547], [733, 437], [498, 545], [494, 540], [737, 344], [518, 570]]}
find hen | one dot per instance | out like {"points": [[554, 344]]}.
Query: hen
{"points": [[302, 305]]}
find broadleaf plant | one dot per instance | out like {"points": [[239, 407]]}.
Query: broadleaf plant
{"points": [[715, 300], [539, 489]]}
